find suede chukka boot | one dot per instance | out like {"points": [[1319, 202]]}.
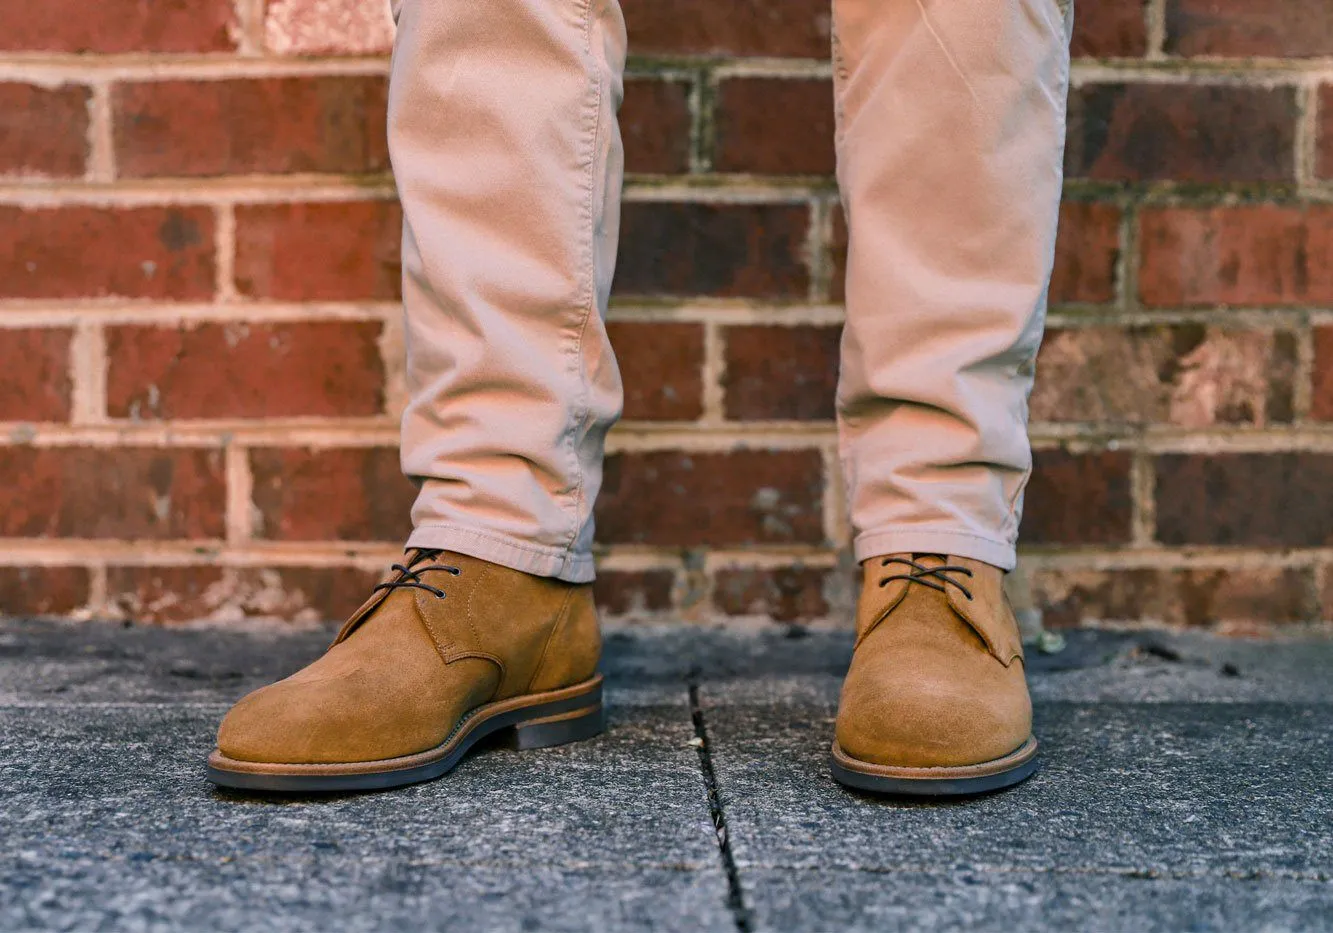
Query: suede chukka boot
{"points": [[447, 649], [936, 701]]}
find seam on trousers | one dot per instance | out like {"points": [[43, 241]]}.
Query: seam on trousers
{"points": [[1014, 518], [583, 410]]}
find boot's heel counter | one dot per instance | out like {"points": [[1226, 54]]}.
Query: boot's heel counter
{"points": [[575, 647]]}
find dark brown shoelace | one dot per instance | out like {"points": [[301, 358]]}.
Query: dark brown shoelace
{"points": [[410, 574], [933, 577]]}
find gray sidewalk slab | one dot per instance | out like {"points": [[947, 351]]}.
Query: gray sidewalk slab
{"points": [[1185, 786]]}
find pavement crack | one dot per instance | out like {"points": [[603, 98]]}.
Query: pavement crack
{"points": [[740, 913]]}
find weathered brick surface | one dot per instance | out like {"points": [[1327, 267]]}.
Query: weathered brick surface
{"points": [[1253, 254], [163, 253], [163, 595], [301, 594], [1186, 375], [1252, 500], [327, 27], [629, 593], [126, 493], [351, 494], [655, 126], [118, 26], [1110, 29], [1240, 28], [174, 193], [319, 251], [1321, 401], [774, 126], [1077, 499], [1235, 599], [34, 374], [792, 28], [1205, 133], [780, 373], [785, 594], [42, 591], [245, 370], [661, 365], [745, 497], [43, 130], [325, 123], [1087, 251], [723, 250]]}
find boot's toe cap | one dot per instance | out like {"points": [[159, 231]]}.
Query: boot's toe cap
{"points": [[931, 723], [268, 725]]}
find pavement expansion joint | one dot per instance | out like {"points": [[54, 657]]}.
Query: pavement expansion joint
{"points": [[717, 810]]}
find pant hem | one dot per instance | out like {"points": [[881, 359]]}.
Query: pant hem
{"points": [[992, 551], [513, 553]]}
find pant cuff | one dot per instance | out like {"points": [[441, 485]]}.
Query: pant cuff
{"points": [[997, 553], [513, 553]]}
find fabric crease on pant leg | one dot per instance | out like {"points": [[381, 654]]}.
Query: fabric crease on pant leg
{"points": [[950, 139], [508, 161]]}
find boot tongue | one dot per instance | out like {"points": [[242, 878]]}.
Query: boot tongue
{"points": [[382, 602], [882, 601]]}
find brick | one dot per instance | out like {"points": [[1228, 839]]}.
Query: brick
{"points": [[167, 595], [301, 594], [784, 594], [123, 492], [43, 131], [780, 373], [245, 370], [720, 250], [774, 126], [655, 126], [1077, 499], [1321, 401], [662, 368], [34, 374], [331, 251], [1250, 499], [118, 26], [743, 497], [837, 254], [1197, 133], [629, 593], [1245, 28], [1087, 252], [1255, 254], [1231, 599], [93, 252], [324, 123], [773, 28], [1110, 29], [350, 494], [1185, 375], [42, 591], [327, 27], [1324, 154]]}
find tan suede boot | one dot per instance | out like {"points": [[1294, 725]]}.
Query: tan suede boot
{"points": [[936, 701], [448, 649]]}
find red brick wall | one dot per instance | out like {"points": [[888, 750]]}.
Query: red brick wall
{"points": [[199, 335]]}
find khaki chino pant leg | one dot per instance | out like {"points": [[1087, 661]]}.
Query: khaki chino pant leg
{"points": [[950, 140], [508, 160]]}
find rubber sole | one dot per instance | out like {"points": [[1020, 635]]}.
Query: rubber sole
{"points": [[1018, 765], [538, 720]]}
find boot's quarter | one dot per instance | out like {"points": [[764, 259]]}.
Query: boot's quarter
{"points": [[935, 702], [448, 650]]}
